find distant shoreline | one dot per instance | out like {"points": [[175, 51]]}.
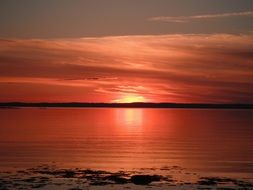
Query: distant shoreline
{"points": [[125, 105]]}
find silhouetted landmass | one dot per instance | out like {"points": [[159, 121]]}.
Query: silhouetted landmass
{"points": [[127, 105]]}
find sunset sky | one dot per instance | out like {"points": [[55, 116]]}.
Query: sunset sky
{"points": [[126, 51]]}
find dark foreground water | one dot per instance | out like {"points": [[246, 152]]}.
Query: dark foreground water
{"points": [[208, 142]]}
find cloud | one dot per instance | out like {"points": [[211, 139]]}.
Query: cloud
{"points": [[182, 19], [173, 68]]}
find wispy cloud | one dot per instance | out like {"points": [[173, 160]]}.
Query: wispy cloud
{"points": [[201, 17], [175, 68]]}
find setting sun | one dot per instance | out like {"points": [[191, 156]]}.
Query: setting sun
{"points": [[130, 99], [126, 94]]}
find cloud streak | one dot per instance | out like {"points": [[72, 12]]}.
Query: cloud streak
{"points": [[182, 19], [172, 68]]}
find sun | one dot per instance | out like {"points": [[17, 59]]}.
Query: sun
{"points": [[130, 99]]}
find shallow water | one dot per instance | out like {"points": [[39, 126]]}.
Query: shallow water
{"points": [[210, 142]]}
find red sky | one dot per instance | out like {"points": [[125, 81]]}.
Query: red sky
{"points": [[158, 68], [126, 51]]}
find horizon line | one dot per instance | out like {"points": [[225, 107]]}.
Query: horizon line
{"points": [[126, 105]]}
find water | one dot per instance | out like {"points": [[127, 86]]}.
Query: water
{"points": [[206, 141]]}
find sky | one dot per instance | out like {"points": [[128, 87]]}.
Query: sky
{"points": [[187, 51]]}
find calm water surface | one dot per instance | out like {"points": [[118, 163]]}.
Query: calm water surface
{"points": [[207, 141]]}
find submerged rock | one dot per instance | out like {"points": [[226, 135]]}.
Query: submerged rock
{"points": [[216, 181], [116, 179], [144, 179], [69, 174]]}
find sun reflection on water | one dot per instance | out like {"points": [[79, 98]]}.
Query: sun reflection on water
{"points": [[131, 117]]}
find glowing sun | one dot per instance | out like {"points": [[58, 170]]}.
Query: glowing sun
{"points": [[130, 99]]}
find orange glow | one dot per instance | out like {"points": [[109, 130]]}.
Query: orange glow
{"points": [[129, 117], [130, 99], [124, 69]]}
